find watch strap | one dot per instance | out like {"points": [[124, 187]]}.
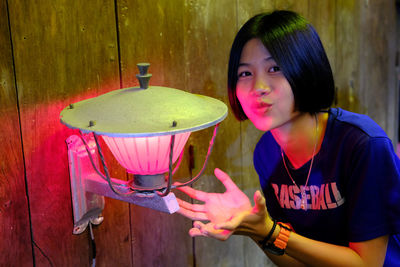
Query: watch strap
{"points": [[263, 243], [279, 245], [283, 236]]}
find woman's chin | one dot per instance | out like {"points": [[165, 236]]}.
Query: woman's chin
{"points": [[262, 125]]}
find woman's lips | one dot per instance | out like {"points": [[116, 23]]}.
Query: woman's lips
{"points": [[262, 107]]}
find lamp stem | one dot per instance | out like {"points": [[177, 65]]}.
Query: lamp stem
{"points": [[171, 152]]}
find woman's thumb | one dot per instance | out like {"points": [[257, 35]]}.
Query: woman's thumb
{"points": [[259, 201]]}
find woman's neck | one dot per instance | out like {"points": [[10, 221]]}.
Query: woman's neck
{"points": [[301, 138]]}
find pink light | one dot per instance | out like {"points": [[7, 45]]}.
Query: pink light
{"points": [[146, 155]]}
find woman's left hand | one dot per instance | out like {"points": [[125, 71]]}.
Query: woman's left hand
{"points": [[228, 213]]}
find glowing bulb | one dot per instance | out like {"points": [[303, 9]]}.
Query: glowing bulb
{"points": [[146, 155]]}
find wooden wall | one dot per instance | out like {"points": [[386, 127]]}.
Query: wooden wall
{"points": [[57, 52]]}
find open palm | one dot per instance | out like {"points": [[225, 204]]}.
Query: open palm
{"points": [[227, 213], [217, 207]]}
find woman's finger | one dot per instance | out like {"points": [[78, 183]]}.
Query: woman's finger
{"points": [[195, 232], [190, 206], [225, 180], [232, 224], [198, 225], [193, 215], [220, 234], [201, 229], [259, 202], [193, 193]]}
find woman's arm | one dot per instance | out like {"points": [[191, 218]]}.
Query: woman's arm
{"points": [[231, 213], [316, 253]]}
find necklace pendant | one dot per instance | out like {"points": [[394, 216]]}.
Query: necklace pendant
{"points": [[303, 204]]}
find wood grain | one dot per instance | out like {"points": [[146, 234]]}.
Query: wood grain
{"points": [[68, 51], [154, 33], [209, 31], [377, 73], [14, 209], [64, 52]]}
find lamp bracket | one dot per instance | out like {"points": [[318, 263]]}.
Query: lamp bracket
{"points": [[88, 188]]}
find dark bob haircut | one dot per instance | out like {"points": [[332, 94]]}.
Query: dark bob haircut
{"points": [[297, 49]]}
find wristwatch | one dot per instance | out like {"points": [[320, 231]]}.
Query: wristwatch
{"points": [[280, 243]]}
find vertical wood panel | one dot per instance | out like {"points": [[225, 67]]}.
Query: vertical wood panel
{"points": [[154, 33], [347, 55], [14, 215], [377, 63], [64, 52], [321, 14], [209, 30], [300, 6], [248, 9]]}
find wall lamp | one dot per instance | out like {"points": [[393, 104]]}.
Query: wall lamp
{"points": [[146, 129]]}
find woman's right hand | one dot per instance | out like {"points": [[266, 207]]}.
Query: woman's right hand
{"points": [[228, 213]]}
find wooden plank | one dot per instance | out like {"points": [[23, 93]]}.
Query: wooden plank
{"points": [[154, 33], [300, 6], [15, 237], [248, 9], [209, 31], [321, 14], [377, 64], [64, 52], [365, 57], [347, 56]]}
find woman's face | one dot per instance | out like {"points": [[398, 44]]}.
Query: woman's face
{"points": [[263, 91]]}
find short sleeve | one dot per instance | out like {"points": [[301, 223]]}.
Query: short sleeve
{"points": [[373, 193]]}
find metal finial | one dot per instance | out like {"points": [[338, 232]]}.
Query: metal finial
{"points": [[143, 76]]}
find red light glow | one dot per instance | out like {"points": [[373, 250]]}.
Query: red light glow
{"points": [[146, 155]]}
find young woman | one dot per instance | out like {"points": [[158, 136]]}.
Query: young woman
{"points": [[330, 178]]}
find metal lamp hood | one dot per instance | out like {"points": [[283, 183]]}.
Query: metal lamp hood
{"points": [[143, 112]]}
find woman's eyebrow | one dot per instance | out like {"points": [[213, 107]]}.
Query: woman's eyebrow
{"points": [[269, 58], [243, 64], [248, 64]]}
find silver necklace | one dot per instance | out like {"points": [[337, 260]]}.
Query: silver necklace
{"points": [[303, 202]]}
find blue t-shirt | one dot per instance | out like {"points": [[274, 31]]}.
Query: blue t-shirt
{"points": [[353, 193]]}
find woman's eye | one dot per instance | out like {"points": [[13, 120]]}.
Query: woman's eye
{"points": [[274, 69], [244, 74]]}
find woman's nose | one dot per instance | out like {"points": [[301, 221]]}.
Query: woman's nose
{"points": [[261, 88]]}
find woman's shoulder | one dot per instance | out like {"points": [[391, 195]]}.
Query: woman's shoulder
{"points": [[266, 140], [343, 120]]}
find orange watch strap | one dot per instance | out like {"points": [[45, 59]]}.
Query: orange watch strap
{"points": [[283, 236]]}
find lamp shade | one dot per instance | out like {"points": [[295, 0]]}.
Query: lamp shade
{"points": [[137, 112], [146, 155], [137, 122]]}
